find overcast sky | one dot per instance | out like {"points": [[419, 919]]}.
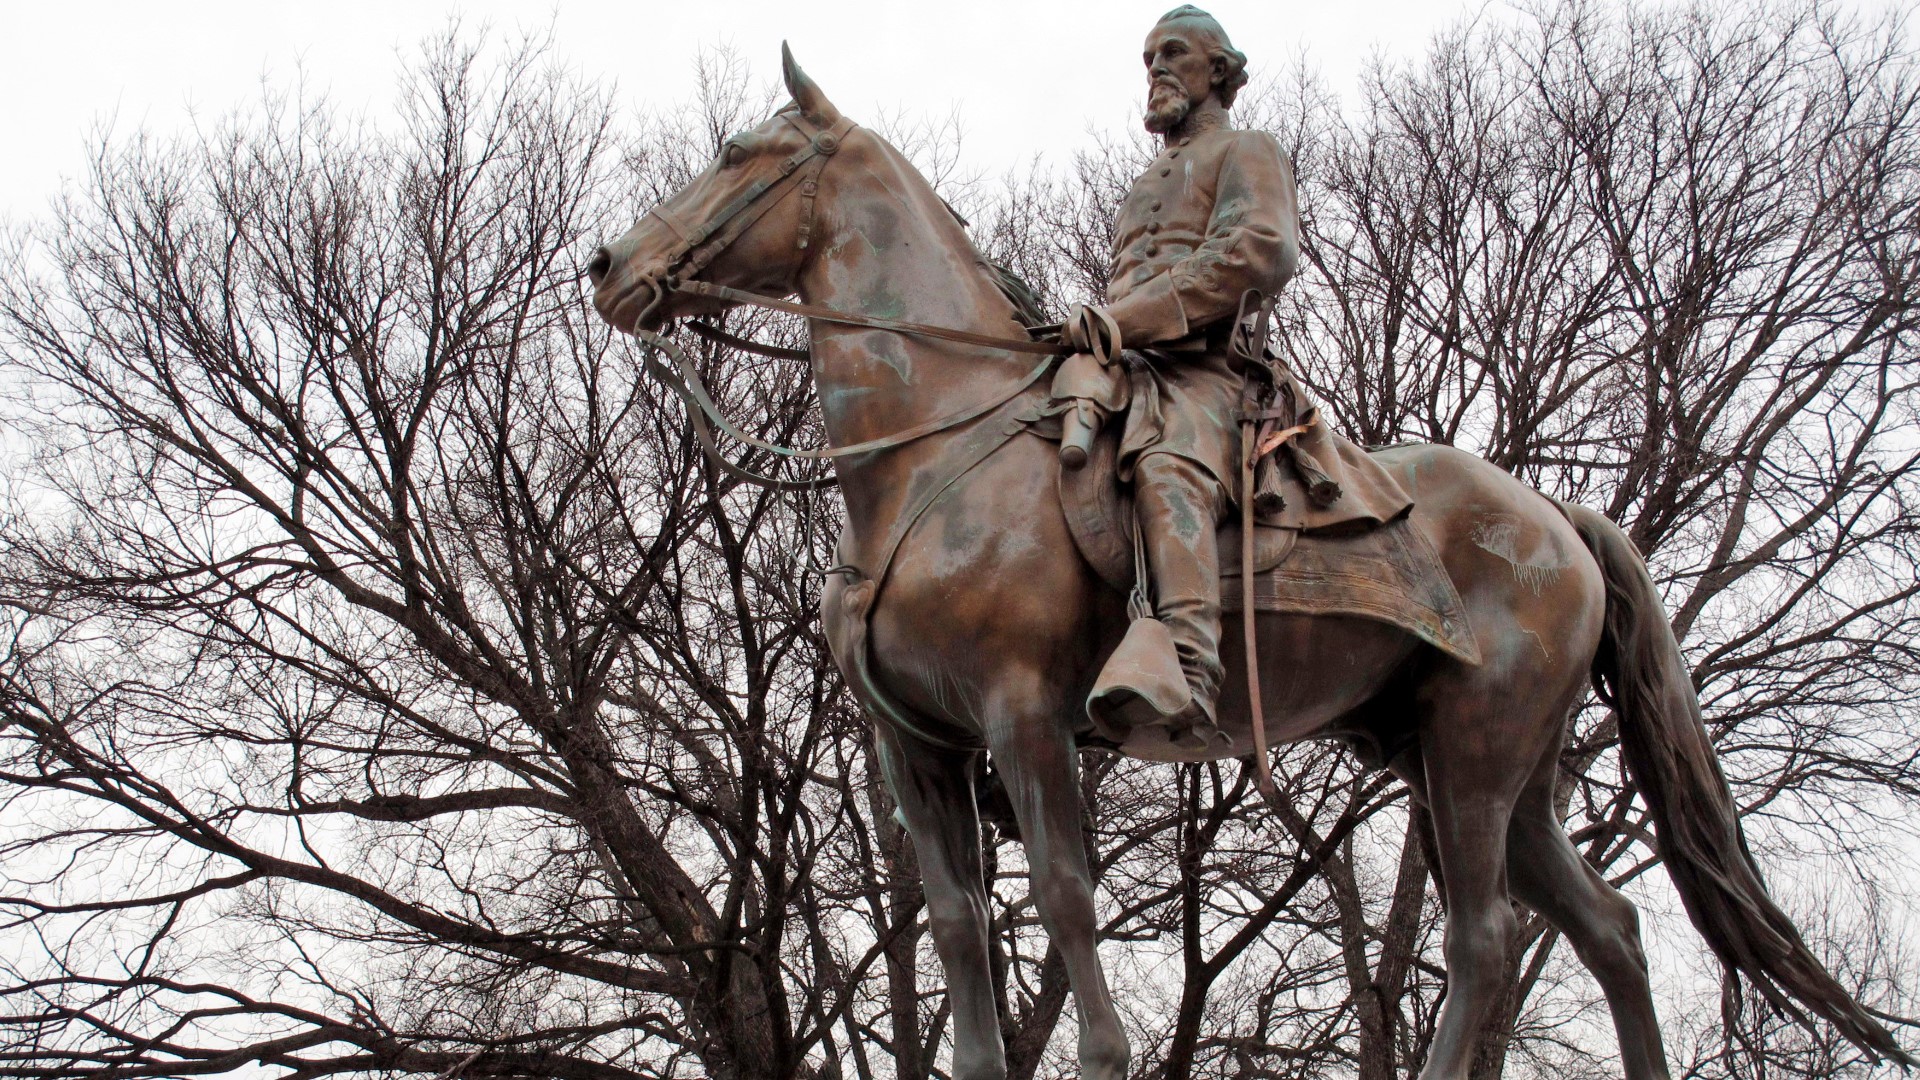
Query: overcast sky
{"points": [[1027, 78]]}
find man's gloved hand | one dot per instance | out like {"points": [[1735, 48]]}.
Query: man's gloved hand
{"points": [[1090, 329]]}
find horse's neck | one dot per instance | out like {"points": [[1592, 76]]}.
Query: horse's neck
{"points": [[893, 250]]}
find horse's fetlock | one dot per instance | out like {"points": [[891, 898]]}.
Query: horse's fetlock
{"points": [[1104, 1056]]}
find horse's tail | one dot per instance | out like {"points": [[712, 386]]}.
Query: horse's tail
{"points": [[1671, 759]]}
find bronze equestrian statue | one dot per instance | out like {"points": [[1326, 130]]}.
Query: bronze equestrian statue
{"points": [[977, 597]]}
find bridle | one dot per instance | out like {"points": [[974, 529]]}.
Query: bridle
{"points": [[699, 245]]}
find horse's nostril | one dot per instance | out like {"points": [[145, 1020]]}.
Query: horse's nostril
{"points": [[598, 266]]}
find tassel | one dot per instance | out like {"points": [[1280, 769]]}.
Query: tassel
{"points": [[1268, 499], [1321, 488]]}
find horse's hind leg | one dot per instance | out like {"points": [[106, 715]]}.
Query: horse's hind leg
{"points": [[1039, 766], [1476, 760], [1549, 876], [934, 787]]}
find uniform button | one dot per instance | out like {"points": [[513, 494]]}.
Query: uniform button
{"points": [[1173, 154], [1156, 206], [1185, 139], [1153, 226], [1168, 171]]}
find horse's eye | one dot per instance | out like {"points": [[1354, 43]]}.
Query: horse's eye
{"points": [[732, 155]]}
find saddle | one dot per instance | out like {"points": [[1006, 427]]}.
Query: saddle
{"points": [[1366, 556]]}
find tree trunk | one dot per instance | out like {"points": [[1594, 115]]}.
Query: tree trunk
{"points": [[1378, 1004], [1196, 974], [1496, 1032], [1027, 1037], [904, 900]]}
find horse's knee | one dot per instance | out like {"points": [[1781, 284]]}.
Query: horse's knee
{"points": [[956, 916], [1494, 926], [1476, 949], [1064, 898]]}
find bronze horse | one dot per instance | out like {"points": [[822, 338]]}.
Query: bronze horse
{"points": [[985, 628]]}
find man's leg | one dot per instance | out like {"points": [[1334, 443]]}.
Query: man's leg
{"points": [[1180, 504]]}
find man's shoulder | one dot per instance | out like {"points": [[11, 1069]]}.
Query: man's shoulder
{"points": [[1242, 146], [1251, 140]]}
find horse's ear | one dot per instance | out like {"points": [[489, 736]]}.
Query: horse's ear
{"points": [[806, 93]]}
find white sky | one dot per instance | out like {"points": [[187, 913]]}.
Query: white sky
{"points": [[1027, 78]]}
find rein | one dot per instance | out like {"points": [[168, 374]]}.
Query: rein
{"points": [[702, 411], [811, 311], [700, 245]]}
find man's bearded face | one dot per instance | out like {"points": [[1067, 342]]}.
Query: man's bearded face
{"points": [[1179, 75], [1167, 105]]}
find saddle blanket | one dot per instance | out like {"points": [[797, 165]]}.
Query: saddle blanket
{"points": [[1390, 573]]}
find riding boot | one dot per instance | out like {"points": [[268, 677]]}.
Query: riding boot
{"points": [[1179, 504]]}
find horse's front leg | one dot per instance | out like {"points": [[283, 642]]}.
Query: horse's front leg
{"points": [[1040, 766], [934, 787]]}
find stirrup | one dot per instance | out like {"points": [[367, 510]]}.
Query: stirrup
{"points": [[1141, 684], [1195, 732]]}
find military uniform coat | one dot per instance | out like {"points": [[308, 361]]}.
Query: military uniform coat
{"points": [[1213, 216]]}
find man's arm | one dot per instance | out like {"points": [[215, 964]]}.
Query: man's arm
{"points": [[1253, 242]]}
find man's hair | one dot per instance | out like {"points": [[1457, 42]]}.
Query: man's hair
{"points": [[1218, 48]]}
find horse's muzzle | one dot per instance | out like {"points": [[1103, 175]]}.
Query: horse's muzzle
{"points": [[622, 296], [599, 265], [629, 306]]}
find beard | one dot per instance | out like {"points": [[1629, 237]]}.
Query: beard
{"points": [[1167, 106]]}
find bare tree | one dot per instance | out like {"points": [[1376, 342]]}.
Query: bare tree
{"points": [[392, 686]]}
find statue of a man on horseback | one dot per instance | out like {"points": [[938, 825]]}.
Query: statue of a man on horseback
{"points": [[978, 591]]}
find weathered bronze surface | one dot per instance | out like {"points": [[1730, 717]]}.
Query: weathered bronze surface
{"points": [[966, 620]]}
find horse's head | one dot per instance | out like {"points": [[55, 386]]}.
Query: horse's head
{"points": [[747, 221]]}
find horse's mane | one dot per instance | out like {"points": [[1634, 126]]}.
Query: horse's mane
{"points": [[1024, 297], [1028, 306]]}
